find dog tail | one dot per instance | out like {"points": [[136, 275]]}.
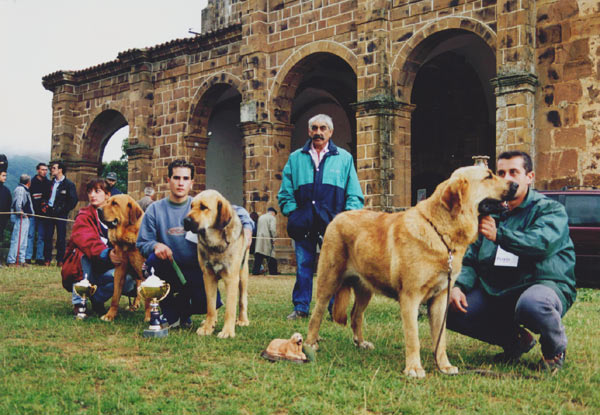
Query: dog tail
{"points": [[340, 305]]}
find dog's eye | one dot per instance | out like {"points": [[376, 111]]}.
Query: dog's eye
{"points": [[203, 207]]}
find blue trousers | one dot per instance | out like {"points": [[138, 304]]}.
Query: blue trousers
{"points": [[495, 320], [61, 239], [103, 278], [183, 300], [306, 255], [18, 239], [36, 225]]}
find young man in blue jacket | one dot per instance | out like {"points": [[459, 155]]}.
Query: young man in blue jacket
{"points": [[519, 274], [319, 181]]}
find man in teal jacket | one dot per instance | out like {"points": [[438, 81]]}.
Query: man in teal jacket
{"points": [[519, 274], [319, 181]]}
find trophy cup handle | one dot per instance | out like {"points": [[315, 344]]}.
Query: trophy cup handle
{"points": [[167, 293], [93, 289]]}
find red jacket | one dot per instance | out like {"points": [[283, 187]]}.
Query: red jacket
{"points": [[85, 240]]}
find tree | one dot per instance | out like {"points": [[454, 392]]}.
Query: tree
{"points": [[119, 167]]}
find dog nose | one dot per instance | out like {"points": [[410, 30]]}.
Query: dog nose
{"points": [[189, 224], [512, 190]]}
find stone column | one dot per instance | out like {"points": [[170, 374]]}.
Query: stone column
{"points": [[196, 147], [516, 81], [140, 175]]}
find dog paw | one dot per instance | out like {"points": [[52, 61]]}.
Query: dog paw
{"points": [[415, 372], [449, 370], [314, 346], [242, 323], [226, 334], [107, 317], [364, 344], [132, 307], [205, 330]]}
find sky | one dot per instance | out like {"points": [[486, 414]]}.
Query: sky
{"points": [[39, 37]]}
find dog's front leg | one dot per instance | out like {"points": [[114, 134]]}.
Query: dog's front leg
{"points": [[437, 309], [232, 281], [410, 313], [243, 295], [210, 287], [119, 280]]}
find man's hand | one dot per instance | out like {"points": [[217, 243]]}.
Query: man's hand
{"points": [[487, 227], [248, 236], [115, 257], [458, 300], [163, 252]]}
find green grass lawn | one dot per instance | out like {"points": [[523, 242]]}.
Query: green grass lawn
{"points": [[53, 364]]}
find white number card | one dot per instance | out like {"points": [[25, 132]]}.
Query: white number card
{"points": [[505, 258]]}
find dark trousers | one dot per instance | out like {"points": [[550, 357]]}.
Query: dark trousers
{"points": [[183, 300], [258, 261], [495, 320], [61, 239]]}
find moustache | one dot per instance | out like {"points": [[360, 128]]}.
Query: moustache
{"points": [[317, 136]]}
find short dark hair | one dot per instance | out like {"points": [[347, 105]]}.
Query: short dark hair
{"points": [[180, 163], [40, 165], [527, 163], [272, 209], [97, 183], [60, 164]]}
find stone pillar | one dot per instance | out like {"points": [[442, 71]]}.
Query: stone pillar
{"points": [[516, 81], [140, 175], [64, 144], [196, 147]]}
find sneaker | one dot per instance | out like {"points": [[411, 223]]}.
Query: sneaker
{"points": [[295, 315], [524, 343], [554, 364], [165, 323]]}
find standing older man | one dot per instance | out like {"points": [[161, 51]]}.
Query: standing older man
{"points": [[319, 181], [21, 207]]}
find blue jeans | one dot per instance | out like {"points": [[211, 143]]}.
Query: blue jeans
{"points": [[103, 278], [306, 255], [36, 225], [183, 300], [21, 227], [495, 320]]}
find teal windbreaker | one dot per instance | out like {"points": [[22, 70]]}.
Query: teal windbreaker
{"points": [[537, 232], [312, 197]]}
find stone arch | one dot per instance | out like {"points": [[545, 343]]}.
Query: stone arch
{"points": [[203, 101], [411, 56], [102, 125], [290, 74], [216, 91]]}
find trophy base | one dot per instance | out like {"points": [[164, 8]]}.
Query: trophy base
{"points": [[156, 333]]}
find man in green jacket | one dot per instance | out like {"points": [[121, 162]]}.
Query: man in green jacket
{"points": [[519, 274]]}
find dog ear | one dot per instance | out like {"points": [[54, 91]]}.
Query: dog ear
{"points": [[223, 215], [135, 211], [453, 194]]}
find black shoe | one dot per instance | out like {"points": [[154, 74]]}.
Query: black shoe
{"points": [[295, 315], [28, 261], [553, 364], [98, 308], [524, 343]]}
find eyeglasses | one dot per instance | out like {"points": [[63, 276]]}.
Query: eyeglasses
{"points": [[318, 127]]}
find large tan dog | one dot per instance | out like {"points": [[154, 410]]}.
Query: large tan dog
{"points": [[404, 256], [123, 216], [222, 254]]}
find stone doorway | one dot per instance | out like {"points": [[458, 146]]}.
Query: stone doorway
{"points": [[454, 116]]}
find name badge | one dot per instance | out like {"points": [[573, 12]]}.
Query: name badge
{"points": [[505, 258], [192, 237]]}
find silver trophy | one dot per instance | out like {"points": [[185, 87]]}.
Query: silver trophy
{"points": [[154, 289], [84, 289]]}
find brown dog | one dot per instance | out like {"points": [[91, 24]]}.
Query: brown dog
{"points": [[287, 348], [123, 216], [404, 256], [222, 254]]}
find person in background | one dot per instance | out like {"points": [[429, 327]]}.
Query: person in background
{"points": [[90, 254], [265, 242], [163, 241], [111, 180], [519, 275], [22, 206], [148, 198], [63, 199], [5, 202], [40, 194], [319, 181]]}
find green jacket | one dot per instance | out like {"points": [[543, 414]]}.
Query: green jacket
{"points": [[537, 232]]}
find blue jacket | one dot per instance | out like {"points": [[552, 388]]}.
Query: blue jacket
{"points": [[312, 197]]}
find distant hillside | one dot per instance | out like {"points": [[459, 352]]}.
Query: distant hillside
{"points": [[18, 165]]}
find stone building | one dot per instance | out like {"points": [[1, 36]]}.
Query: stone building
{"points": [[415, 87]]}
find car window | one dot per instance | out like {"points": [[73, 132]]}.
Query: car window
{"points": [[583, 210]]}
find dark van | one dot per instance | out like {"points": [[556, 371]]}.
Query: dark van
{"points": [[583, 208]]}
